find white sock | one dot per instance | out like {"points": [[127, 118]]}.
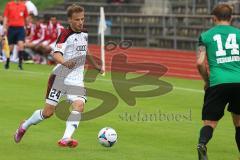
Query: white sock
{"points": [[34, 119], [72, 124]]}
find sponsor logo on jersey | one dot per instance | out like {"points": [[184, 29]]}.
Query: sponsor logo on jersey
{"points": [[59, 45], [228, 59], [81, 48]]}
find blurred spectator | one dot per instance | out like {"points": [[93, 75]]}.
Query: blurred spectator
{"points": [[30, 27], [32, 9], [54, 29], [39, 27], [42, 36], [39, 33]]}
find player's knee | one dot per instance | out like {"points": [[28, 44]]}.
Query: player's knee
{"points": [[78, 106], [236, 122], [213, 124], [47, 114]]}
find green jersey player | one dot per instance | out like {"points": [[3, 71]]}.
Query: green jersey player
{"points": [[220, 46]]}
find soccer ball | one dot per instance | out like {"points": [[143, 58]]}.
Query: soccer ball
{"points": [[107, 137]]}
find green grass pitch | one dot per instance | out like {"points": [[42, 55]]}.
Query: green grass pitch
{"points": [[22, 92]]}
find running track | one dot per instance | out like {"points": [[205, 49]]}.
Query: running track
{"points": [[176, 63]]}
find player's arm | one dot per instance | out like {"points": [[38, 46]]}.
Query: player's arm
{"points": [[5, 20], [58, 57], [201, 65], [94, 63]]}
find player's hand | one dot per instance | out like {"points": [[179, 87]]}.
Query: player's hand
{"points": [[5, 30], [101, 70], [70, 64], [206, 86]]}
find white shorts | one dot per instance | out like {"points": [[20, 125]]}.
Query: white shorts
{"points": [[53, 95]]}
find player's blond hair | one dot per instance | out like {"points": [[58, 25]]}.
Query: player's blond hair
{"points": [[74, 8]]}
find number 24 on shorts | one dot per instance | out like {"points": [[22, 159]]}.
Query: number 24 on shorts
{"points": [[54, 94]]}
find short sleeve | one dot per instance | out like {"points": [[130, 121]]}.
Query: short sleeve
{"points": [[201, 41], [61, 41], [60, 47]]}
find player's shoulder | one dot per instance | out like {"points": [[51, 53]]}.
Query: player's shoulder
{"points": [[10, 3], [217, 28], [203, 38], [65, 33], [208, 33], [21, 4], [234, 29]]}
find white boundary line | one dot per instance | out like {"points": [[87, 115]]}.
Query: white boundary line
{"points": [[106, 80]]}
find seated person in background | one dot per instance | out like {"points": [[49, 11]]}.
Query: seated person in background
{"points": [[54, 29], [34, 41], [40, 30], [44, 38], [30, 28], [47, 37]]}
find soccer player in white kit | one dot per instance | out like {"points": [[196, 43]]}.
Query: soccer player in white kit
{"points": [[70, 54]]}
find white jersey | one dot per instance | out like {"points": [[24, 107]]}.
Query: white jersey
{"points": [[72, 45]]}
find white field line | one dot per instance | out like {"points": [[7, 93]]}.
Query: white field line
{"points": [[104, 80]]}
